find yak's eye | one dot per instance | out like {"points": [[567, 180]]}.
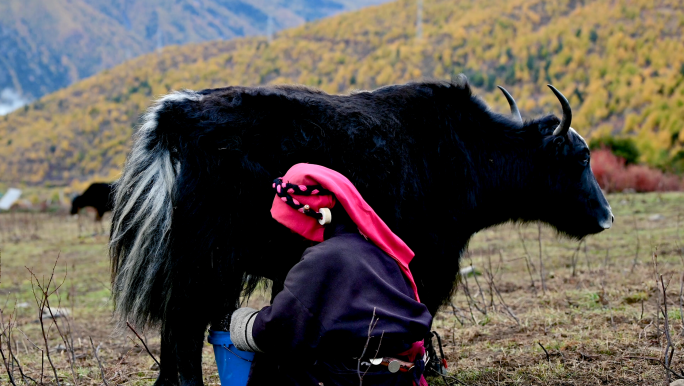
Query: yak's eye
{"points": [[584, 159]]}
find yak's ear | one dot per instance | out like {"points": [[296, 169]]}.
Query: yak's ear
{"points": [[558, 140], [559, 145]]}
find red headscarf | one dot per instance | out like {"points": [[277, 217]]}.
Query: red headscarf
{"points": [[370, 225]]}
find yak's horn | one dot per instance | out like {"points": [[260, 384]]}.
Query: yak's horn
{"points": [[511, 102], [564, 125]]}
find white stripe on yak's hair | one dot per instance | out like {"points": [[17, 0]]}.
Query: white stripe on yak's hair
{"points": [[143, 205]]}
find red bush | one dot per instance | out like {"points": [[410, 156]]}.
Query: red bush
{"points": [[613, 176]]}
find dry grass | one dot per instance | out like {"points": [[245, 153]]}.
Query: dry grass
{"points": [[35, 241], [591, 324]]}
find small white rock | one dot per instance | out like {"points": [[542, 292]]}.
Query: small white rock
{"points": [[23, 305], [679, 382], [57, 312], [656, 217], [467, 270]]}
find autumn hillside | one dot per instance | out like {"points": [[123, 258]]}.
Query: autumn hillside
{"points": [[620, 63]]}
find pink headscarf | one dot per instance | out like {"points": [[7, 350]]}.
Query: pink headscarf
{"points": [[370, 225]]}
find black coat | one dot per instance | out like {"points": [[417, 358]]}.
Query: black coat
{"points": [[318, 324]]}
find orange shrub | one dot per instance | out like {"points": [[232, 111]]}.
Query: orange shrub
{"points": [[613, 176]]}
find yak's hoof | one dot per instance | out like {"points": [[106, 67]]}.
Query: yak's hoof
{"points": [[166, 382]]}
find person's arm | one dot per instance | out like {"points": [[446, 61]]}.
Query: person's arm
{"points": [[241, 326], [287, 325], [284, 326]]}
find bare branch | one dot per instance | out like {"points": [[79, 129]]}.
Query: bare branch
{"points": [[667, 359], [64, 339], [541, 258], [636, 253], [104, 379], [506, 307], [470, 298], [548, 358], [371, 327], [41, 309], [454, 311], [382, 335], [7, 333], [528, 261], [6, 362], [574, 259], [681, 301], [143, 343], [586, 256], [479, 288]]}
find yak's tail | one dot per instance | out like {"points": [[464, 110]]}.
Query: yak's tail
{"points": [[143, 209]]}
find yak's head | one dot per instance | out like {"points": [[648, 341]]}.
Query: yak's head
{"points": [[568, 196], [76, 204]]}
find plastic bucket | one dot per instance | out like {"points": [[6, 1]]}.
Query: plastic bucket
{"points": [[233, 364]]}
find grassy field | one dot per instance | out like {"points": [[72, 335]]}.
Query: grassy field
{"points": [[595, 314]]}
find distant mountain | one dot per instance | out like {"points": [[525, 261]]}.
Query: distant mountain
{"points": [[619, 63], [49, 44]]}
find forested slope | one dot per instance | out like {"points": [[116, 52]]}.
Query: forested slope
{"points": [[620, 63], [48, 44]]}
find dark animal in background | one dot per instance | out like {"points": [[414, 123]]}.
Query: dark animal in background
{"points": [[99, 196], [192, 230]]}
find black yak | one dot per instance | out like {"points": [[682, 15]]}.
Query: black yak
{"points": [[98, 195], [192, 229]]}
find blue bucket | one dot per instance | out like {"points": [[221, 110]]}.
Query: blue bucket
{"points": [[233, 364]]}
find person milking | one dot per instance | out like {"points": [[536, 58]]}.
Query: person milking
{"points": [[316, 331]]}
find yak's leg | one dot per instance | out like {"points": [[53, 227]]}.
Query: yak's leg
{"points": [[435, 274], [189, 341], [168, 371], [99, 227], [79, 221]]}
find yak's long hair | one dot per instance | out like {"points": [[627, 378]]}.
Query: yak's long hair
{"points": [[191, 227], [139, 246]]}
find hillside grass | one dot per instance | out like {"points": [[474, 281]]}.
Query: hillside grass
{"points": [[619, 63], [599, 325]]}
